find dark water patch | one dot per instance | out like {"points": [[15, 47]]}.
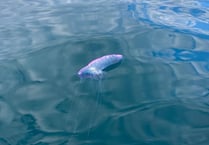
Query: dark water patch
{"points": [[160, 122]]}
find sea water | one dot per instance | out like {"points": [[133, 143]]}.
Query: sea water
{"points": [[159, 95]]}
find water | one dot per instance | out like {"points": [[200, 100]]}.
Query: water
{"points": [[159, 95]]}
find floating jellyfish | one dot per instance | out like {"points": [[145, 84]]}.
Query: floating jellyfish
{"points": [[96, 68]]}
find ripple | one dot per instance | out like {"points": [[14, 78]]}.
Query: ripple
{"points": [[31, 26], [152, 122], [6, 113], [39, 100], [144, 45], [187, 17], [10, 77]]}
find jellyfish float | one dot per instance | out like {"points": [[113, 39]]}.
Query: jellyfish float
{"points": [[95, 69]]}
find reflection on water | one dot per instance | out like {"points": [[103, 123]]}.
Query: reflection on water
{"points": [[158, 96], [41, 23], [190, 16]]}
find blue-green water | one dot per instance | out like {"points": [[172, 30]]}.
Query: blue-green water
{"points": [[159, 95]]}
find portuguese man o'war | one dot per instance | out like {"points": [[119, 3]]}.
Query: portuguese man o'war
{"points": [[95, 70], [96, 67]]}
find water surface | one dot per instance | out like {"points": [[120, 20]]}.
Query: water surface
{"points": [[159, 95]]}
